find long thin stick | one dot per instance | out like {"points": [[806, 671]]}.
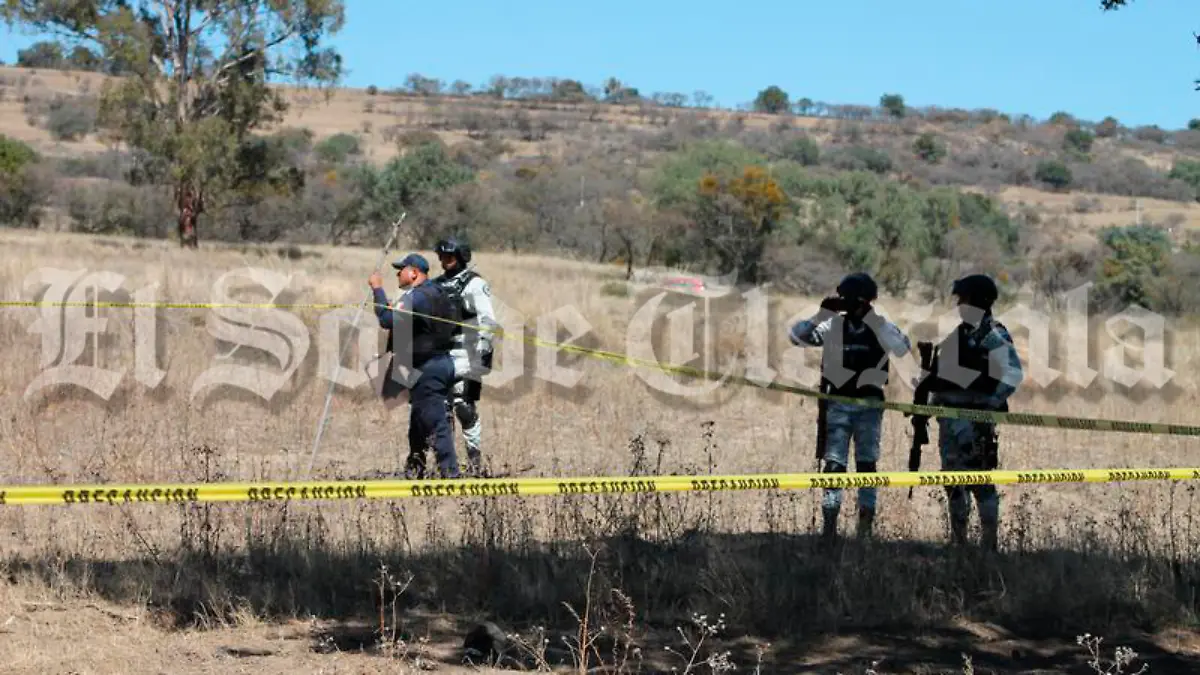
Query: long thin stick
{"points": [[342, 357]]}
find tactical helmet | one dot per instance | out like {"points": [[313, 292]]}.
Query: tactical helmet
{"points": [[977, 290], [859, 285], [455, 247]]}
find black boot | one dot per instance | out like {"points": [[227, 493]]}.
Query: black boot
{"points": [[829, 530], [958, 531], [989, 536], [866, 523]]}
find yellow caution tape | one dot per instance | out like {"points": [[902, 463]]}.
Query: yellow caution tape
{"points": [[268, 491], [1018, 419]]}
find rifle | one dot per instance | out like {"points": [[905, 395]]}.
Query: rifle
{"points": [[920, 423], [822, 416]]}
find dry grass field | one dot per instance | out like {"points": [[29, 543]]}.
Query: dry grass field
{"points": [[392, 586]]}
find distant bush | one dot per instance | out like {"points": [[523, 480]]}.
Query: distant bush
{"points": [[1053, 173], [860, 158], [1128, 176], [1150, 134], [803, 150], [1108, 127], [15, 156], [24, 185], [117, 208], [928, 148], [1188, 171], [338, 148], [1133, 267], [66, 118], [1078, 140]]}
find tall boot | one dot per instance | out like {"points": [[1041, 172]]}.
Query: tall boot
{"points": [[989, 536], [829, 531], [958, 531], [866, 523]]}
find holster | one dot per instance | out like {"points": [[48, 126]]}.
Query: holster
{"points": [[987, 445]]}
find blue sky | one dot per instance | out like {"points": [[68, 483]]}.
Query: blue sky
{"points": [[1019, 56]]}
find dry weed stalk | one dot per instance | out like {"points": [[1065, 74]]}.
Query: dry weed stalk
{"points": [[717, 662], [1123, 657], [390, 641]]}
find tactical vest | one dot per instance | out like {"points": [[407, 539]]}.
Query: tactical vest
{"points": [[860, 353], [972, 357], [455, 286], [430, 336]]}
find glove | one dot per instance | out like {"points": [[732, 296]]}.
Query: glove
{"points": [[484, 365], [834, 303]]}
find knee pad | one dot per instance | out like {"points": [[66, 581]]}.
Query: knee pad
{"points": [[864, 467], [833, 467], [465, 411]]}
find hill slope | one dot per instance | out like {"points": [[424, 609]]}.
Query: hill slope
{"points": [[549, 174]]}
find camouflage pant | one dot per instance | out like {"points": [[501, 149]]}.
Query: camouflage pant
{"points": [[963, 446], [843, 422]]}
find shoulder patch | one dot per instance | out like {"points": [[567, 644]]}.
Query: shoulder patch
{"points": [[997, 336]]}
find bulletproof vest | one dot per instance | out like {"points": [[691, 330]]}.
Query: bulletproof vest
{"points": [[971, 357], [454, 286], [861, 354], [431, 336]]}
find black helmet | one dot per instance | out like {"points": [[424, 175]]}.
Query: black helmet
{"points": [[977, 290], [859, 286], [455, 247]]}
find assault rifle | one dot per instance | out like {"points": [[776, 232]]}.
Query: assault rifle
{"points": [[920, 423], [822, 416]]}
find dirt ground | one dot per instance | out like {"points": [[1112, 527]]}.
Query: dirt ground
{"points": [[39, 635]]}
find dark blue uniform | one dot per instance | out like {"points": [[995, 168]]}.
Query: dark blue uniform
{"points": [[424, 343]]}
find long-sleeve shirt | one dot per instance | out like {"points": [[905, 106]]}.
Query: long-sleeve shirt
{"points": [[811, 332], [845, 379], [426, 337]]}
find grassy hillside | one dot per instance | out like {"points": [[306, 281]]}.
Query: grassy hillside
{"points": [[619, 182]]}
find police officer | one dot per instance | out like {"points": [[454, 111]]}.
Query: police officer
{"points": [[978, 367], [417, 339], [472, 351], [856, 343]]}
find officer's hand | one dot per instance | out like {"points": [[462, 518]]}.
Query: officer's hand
{"points": [[375, 280]]}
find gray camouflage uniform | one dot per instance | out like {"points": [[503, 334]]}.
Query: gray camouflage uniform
{"points": [[966, 445], [878, 338]]}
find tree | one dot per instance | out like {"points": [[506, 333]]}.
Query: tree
{"points": [[1078, 140], [771, 100], [410, 180], [1132, 270], [197, 72], [893, 104], [735, 217], [1108, 127], [41, 54]]}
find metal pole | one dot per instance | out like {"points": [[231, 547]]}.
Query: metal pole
{"points": [[332, 379]]}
